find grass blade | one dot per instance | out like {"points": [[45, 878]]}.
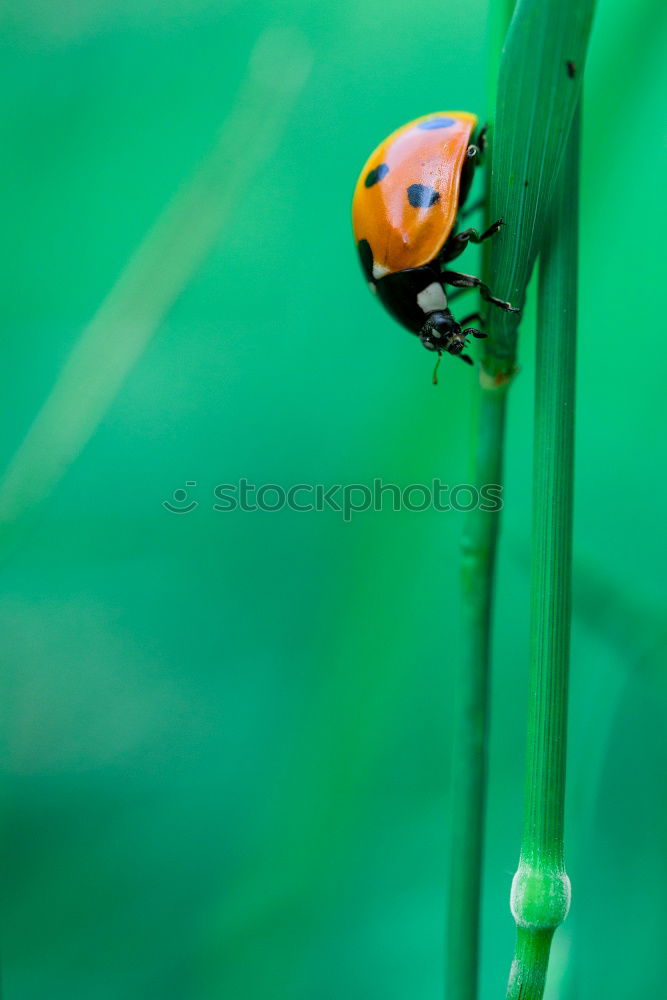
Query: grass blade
{"points": [[541, 888], [539, 84]]}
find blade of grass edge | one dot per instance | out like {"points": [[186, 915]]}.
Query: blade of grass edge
{"points": [[540, 896], [541, 72], [549, 83]]}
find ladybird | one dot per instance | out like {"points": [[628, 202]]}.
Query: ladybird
{"points": [[404, 213]]}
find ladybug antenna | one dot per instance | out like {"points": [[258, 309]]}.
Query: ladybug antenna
{"points": [[435, 370]]}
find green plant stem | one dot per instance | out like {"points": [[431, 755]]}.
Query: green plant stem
{"points": [[530, 962], [541, 889], [468, 788], [478, 559]]}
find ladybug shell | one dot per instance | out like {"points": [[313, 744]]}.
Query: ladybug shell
{"points": [[407, 195]]}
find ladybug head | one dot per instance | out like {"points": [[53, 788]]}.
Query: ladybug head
{"points": [[441, 333]]}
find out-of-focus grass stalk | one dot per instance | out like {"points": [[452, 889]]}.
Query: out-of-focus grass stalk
{"points": [[478, 555], [539, 81], [468, 785], [157, 273], [541, 889]]}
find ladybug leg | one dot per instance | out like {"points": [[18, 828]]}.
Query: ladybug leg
{"points": [[471, 234], [471, 329], [469, 281], [473, 316], [473, 159], [466, 357], [476, 149], [455, 245]]}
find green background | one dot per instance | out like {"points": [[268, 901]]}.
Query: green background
{"points": [[226, 735]]}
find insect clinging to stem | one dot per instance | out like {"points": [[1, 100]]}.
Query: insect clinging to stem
{"points": [[404, 213]]}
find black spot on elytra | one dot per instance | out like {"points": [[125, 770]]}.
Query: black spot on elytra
{"points": [[571, 69], [366, 258], [437, 123], [376, 174], [422, 196]]}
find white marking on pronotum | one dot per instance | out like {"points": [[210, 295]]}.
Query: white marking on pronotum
{"points": [[373, 287], [432, 297], [379, 271]]}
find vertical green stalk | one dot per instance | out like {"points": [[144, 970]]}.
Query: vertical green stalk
{"points": [[468, 788], [540, 71], [541, 889], [478, 558]]}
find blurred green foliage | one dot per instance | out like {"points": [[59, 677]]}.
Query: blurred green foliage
{"points": [[226, 734]]}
